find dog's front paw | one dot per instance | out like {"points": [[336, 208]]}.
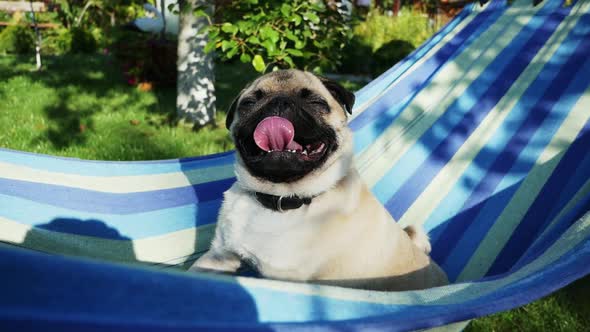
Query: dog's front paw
{"points": [[419, 238], [216, 262]]}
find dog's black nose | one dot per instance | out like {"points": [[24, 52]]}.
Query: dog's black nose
{"points": [[280, 106]]}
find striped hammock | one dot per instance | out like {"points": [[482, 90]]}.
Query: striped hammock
{"points": [[482, 135]]}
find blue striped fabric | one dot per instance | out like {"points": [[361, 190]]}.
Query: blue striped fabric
{"points": [[481, 135]]}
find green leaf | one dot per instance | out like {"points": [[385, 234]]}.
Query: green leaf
{"points": [[200, 13], [318, 6], [229, 28], [291, 36], [288, 60], [294, 52], [286, 9], [307, 54], [296, 19], [258, 63], [312, 17], [319, 44], [210, 46], [227, 44], [299, 44], [266, 32], [245, 58], [213, 32], [253, 40], [203, 30], [270, 47], [274, 36], [246, 27], [233, 51]]}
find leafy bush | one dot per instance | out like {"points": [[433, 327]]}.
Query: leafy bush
{"points": [[56, 41], [5, 17], [74, 40], [17, 39], [380, 40], [273, 33], [82, 41]]}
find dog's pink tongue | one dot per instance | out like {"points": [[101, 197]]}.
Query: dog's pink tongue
{"points": [[275, 134]]}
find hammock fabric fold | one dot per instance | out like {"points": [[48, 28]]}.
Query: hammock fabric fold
{"points": [[482, 135]]}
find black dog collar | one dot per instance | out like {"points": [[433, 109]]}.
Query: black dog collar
{"points": [[282, 203]]}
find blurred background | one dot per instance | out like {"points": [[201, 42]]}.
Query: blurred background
{"points": [[135, 80]]}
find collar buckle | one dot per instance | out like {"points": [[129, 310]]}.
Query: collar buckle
{"points": [[280, 204]]}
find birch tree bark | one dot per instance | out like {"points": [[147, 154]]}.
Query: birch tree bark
{"points": [[195, 100]]}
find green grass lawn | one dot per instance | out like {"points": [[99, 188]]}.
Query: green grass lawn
{"points": [[566, 310], [80, 107]]}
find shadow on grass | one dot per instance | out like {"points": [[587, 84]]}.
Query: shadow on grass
{"points": [[92, 108], [79, 83]]}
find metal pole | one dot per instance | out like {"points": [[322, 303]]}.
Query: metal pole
{"points": [[38, 35]]}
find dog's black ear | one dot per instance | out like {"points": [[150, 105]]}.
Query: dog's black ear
{"points": [[229, 118], [340, 93], [231, 112]]}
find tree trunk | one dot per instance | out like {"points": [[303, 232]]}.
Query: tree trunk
{"points": [[195, 100], [163, 11]]}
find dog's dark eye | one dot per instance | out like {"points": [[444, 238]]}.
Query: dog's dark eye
{"points": [[247, 102], [320, 103], [258, 94]]}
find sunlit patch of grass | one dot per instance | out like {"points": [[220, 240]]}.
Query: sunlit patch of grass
{"points": [[79, 106], [568, 310]]}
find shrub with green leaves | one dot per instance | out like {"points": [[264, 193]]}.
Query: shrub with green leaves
{"points": [[74, 40], [17, 39], [83, 41], [273, 34]]}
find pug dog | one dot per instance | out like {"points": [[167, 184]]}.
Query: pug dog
{"points": [[299, 210]]}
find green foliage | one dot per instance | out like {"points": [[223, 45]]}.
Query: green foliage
{"points": [[273, 34], [83, 41], [74, 40], [100, 13], [380, 40], [17, 39], [5, 16], [57, 41]]}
